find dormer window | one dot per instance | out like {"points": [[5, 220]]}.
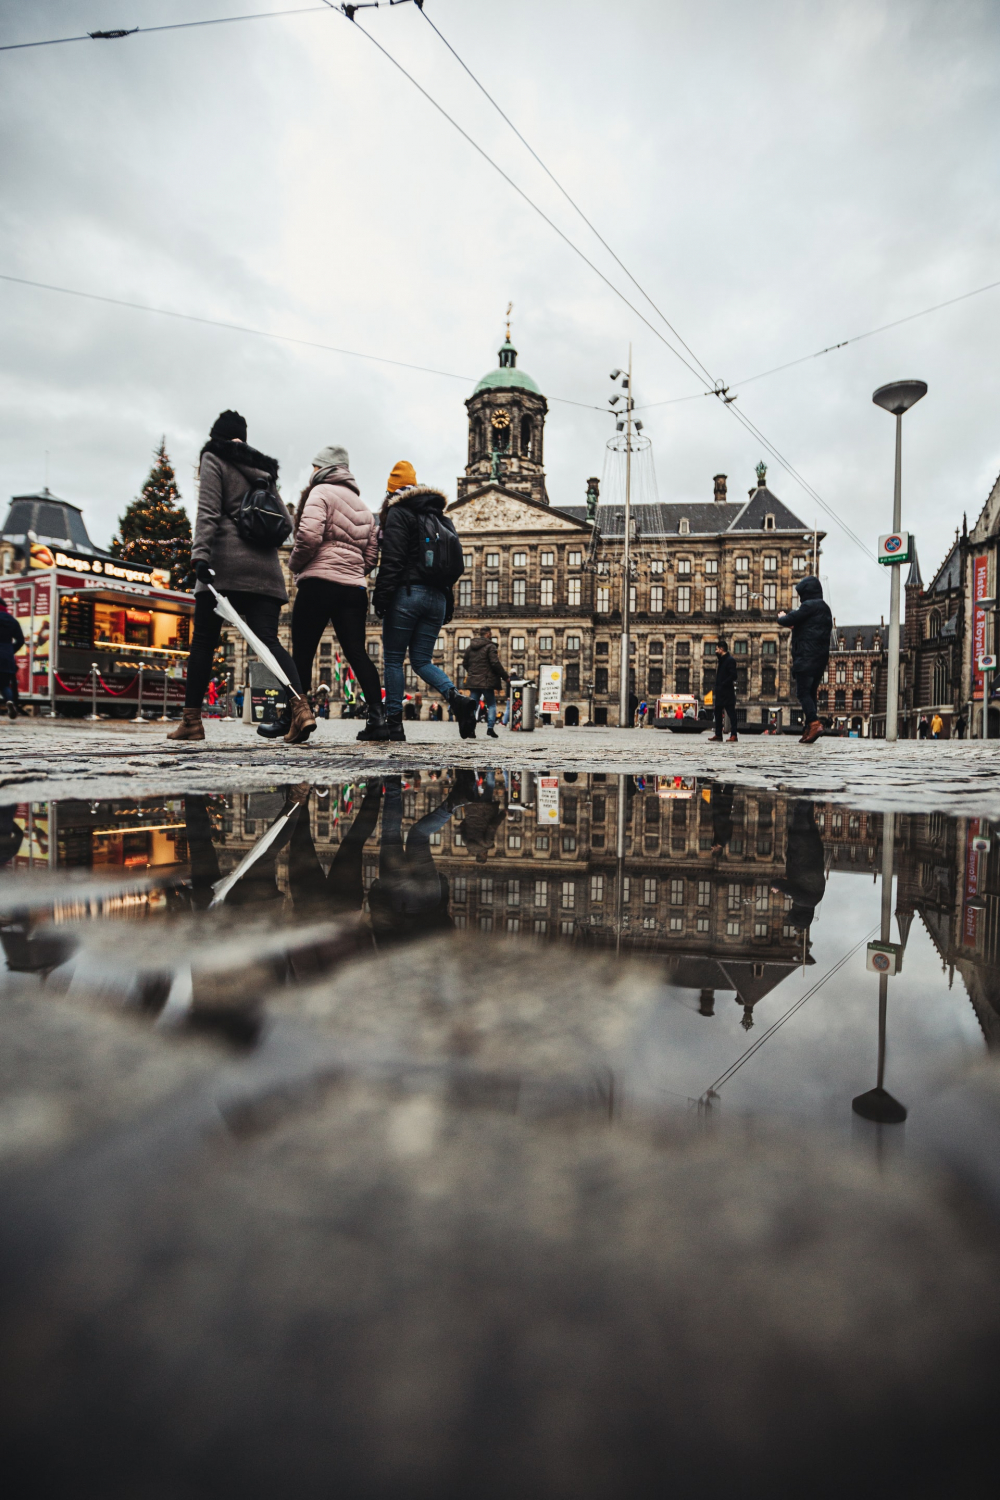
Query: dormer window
{"points": [[684, 526], [768, 523]]}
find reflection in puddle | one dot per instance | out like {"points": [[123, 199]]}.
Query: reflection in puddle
{"points": [[758, 911]]}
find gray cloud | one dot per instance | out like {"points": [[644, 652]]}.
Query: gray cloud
{"points": [[778, 176]]}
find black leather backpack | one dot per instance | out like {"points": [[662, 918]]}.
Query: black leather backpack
{"points": [[261, 520]]}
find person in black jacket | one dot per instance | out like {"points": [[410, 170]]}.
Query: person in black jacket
{"points": [[11, 641], [725, 693], [411, 609], [805, 865], [811, 626]]}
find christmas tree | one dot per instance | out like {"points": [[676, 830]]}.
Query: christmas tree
{"points": [[155, 529]]}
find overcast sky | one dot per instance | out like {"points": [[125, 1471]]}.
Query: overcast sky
{"points": [[777, 176]]}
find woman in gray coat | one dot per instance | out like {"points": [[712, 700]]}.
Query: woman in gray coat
{"points": [[249, 576]]}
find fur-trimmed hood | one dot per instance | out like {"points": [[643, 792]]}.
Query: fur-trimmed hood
{"points": [[241, 456], [419, 497]]}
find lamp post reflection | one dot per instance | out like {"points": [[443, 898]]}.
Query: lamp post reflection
{"points": [[877, 1104]]}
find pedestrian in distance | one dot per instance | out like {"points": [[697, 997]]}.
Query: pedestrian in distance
{"points": [[725, 693], [421, 561], [336, 547], [11, 641], [484, 673], [937, 727], [811, 626], [241, 523], [960, 727], [923, 728]]}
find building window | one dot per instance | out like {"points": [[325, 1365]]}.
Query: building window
{"points": [[656, 599], [517, 592], [574, 559], [649, 890], [545, 643], [743, 565], [704, 893], [823, 701], [740, 648], [768, 681], [770, 565], [541, 892], [768, 648], [656, 566], [841, 672], [711, 598], [597, 887], [464, 642], [546, 594], [465, 592], [857, 702], [547, 559], [711, 567], [633, 600], [567, 899], [526, 437], [770, 597], [684, 567], [799, 563], [519, 559], [682, 680], [600, 679], [933, 625], [734, 898], [677, 893], [571, 677], [573, 594], [940, 682], [859, 671], [517, 643], [684, 599], [468, 558], [655, 680], [572, 643], [486, 892], [493, 559], [768, 523], [492, 593], [603, 600], [513, 841], [839, 700], [742, 596], [683, 526]]}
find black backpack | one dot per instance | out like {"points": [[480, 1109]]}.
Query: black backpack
{"points": [[439, 559], [261, 520]]}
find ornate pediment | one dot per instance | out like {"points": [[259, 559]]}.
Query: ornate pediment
{"points": [[496, 509]]}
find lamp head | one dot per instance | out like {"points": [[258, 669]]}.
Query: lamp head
{"points": [[900, 395]]}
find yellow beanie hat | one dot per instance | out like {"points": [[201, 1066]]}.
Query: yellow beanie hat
{"points": [[403, 474]]}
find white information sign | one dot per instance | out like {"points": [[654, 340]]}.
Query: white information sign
{"points": [[894, 547], [549, 689], [548, 799]]}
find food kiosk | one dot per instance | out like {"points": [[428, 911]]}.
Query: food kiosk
{"points": [[98, 631]]}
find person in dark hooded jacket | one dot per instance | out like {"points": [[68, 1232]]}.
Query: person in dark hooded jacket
{"points": [[484, 673], [412, 611], [805, 868], [811, 626], [11, 641]]}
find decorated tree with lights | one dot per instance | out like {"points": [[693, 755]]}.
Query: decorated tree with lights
{"points": [[155, 529]]}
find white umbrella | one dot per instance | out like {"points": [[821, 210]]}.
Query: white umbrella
{"points": [[265, 842], [267, 656]]}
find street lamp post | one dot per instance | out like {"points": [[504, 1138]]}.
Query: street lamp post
{"points": [[624, 718], [896, 398]]}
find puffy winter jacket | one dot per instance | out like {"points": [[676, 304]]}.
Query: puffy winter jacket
{"points": [[482, 664], [811, 626], [11, 640], [725, 675], [399, 563], [336, 536]]}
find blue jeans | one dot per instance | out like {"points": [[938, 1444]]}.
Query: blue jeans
{"points": [[413, 621], [489, 697]]}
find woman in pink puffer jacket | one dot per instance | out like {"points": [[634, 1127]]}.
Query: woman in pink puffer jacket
{"points": [[336, 546]]}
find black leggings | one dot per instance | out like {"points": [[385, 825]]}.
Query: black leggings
{"points": [[260, 612], [345, 607]]}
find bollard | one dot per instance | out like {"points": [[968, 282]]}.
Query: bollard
{"points": [[138, 712], [166, 679], [93, 692]]}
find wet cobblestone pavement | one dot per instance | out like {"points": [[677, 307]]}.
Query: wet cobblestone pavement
{"points": [[491, 1118]]}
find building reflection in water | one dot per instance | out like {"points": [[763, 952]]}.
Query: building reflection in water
{"points": [[721, 884]]}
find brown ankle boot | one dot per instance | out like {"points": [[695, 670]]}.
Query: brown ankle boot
{"points": [[302, 724], [190, 727]]}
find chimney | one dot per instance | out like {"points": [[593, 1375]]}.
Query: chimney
{"points": [[593, 491], [720, 489]]}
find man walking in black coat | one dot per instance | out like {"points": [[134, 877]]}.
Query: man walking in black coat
{"points": [[811, 626], [725, 693], [11, 641]]}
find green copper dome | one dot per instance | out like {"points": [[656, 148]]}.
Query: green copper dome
{"points": [[508, 377]]}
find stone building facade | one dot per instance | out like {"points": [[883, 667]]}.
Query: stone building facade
{"points": [[548, 578], [848, 693]]}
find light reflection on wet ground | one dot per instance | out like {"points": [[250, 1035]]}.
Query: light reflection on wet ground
{"points": [[754, 910]]}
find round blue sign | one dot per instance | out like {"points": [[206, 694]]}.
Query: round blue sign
{"points": [[893, 543]]}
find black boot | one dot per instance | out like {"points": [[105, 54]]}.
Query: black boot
{"points": [[466, 712], [377, 727], [279, 726], [394, 722], [491, 733]]}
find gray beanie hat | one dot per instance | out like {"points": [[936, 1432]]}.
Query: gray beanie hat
{"points": [[331, 458]]}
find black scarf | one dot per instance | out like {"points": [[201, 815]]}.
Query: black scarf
{"points": [[241, 456]]}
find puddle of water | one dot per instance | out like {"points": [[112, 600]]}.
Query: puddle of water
{"points": [[756, 911]]}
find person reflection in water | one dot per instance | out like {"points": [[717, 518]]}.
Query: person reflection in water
{"points": [[483, 817], [410, 896], [11, 835], [805, 871], [341, 889], [722, 816], [259, 883]]}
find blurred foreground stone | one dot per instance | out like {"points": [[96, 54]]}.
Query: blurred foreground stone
{"points": [[413, 1246]]}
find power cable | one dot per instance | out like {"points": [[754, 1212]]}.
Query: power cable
{"points": [[569, 199], [119, 32], [261, 333]]}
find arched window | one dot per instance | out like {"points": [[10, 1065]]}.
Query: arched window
{"points": [[933, 625], [477, 439], [940, 680], [526, 433]]}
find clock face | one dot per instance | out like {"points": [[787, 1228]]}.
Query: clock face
{"points": [[501, 418]]}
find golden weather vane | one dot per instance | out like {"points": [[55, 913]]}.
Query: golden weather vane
{"points": [[510, 309]]}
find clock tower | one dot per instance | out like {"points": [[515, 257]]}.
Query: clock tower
{"points": [[506, 431]]}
